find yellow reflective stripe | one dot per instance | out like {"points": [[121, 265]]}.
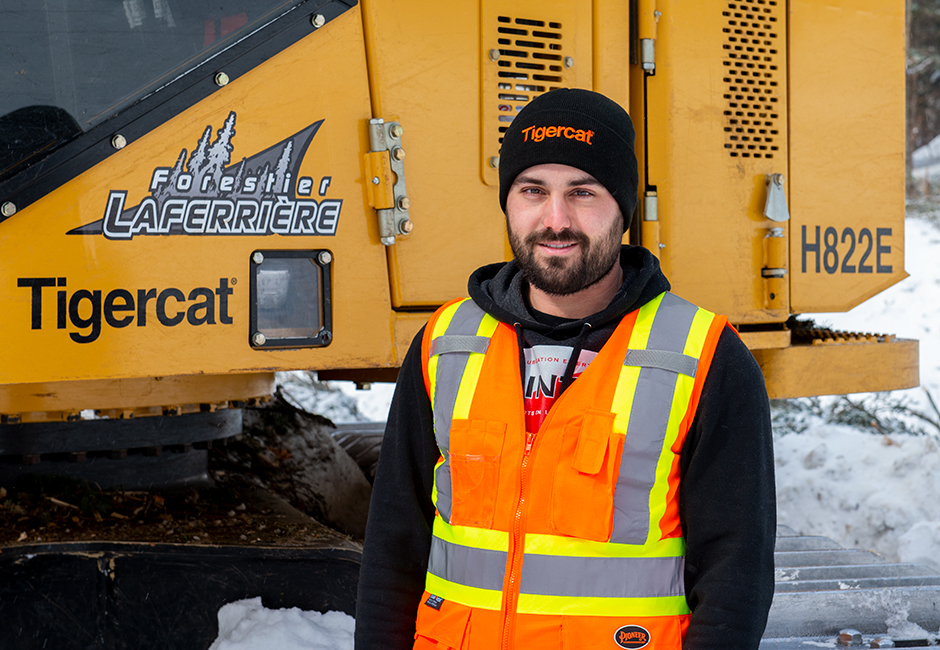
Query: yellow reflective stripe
{"points": [[697, 333], [659, 494], [630, 375], [539, 544], [440, 326], [468, 384], [594, 606], [543, 544], [469, 596], [695, 342], [640, 336], [492, 540], [623, 397], [682, 394]]}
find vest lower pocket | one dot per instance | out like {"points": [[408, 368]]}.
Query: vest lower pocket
{"points": [[582, 501], [441, 627], [475, 450]]}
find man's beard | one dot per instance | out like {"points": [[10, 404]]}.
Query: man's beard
{"points": [[561, 277]]}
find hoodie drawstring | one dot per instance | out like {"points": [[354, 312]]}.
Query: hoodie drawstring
{"points": [[573, 360], [521, 346]]}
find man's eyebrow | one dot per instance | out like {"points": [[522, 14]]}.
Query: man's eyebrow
{"points": [[533, 180], [528, 180], [586, 180]]}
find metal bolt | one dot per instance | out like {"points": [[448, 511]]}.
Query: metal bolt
{"points": [[119, 141], [494, 55], [257, 257], [404, 203], [406, 226], [317, 20], [396, 130], [850, 637], [8, 209], [375, 180], [221, 79], [325, 257], [326, 336], [398, 153], [569, 62], [494, 162], [258, 338]]}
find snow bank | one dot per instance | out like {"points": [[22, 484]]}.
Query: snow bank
{"points": [[863, 490], [248, 625]]}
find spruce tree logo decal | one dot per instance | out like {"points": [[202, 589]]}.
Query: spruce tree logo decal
{"points": [[203, 194]]}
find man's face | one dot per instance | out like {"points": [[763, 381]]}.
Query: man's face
{"points": [[564, 228]]}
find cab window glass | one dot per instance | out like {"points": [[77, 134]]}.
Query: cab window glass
{"points": [[71, 64]]}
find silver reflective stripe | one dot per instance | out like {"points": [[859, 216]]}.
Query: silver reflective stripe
{"points": [[450, 369], [649, 418], [554, 575], [604, 577], [473, 567], [442, 482], [449, 343], [674, 361]]}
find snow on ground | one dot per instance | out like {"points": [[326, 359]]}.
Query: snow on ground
{"points": [[248, 625]]}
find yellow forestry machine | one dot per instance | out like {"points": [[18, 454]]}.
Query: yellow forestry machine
{"points": [[195, 195]]}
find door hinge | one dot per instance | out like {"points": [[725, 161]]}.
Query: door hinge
{"points": [[775, 206], [385, 178]]}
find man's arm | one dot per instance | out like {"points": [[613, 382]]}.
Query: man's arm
{"points": [[398, 533], [728, 504]]}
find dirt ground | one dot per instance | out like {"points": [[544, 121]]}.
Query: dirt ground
{"points": [[234, 512], [272, 486]]}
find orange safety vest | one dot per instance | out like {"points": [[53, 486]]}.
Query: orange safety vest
{"points": [[568, 537]]}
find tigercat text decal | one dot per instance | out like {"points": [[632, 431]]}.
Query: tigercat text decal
{"points": [[205, 195]]}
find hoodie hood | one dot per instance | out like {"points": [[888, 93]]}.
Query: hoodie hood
{"points": [[498, 290]]}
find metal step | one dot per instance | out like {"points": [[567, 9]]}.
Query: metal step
{"points": [[851, 572], [825, 558], [843, 584], [822, 588], [805, 543]]}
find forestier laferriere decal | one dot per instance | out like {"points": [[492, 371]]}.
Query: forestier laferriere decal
{"points": [[202, 194]]}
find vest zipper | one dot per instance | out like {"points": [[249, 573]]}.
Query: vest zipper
{"points": [[518, 548]]}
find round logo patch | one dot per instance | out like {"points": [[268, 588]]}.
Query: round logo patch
{"points": [[632, 637]]}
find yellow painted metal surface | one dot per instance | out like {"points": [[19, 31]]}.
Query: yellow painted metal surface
{"points": [[431, 66], [126, 397], [716, 125], [810, 90], [321, 78], [806, 370], [846, 151]]}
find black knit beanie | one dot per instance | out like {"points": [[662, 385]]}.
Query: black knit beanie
{"points": [[575, 127]]}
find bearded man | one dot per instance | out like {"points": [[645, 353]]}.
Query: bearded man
{"points": [[575, 457]]}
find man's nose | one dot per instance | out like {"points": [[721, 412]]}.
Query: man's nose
{"points": [[557, 215]]}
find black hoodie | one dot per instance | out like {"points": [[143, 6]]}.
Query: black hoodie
{"points": [[726, 501]]}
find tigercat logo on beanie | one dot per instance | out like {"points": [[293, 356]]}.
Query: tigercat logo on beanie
{"points": [[539, 133], [632, 637]]}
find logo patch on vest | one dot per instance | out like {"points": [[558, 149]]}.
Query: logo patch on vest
{"points": [[435, 602], [632, 637]]}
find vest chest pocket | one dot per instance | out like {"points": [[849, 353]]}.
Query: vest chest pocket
{"points": [[582, 500], [476, 447]]}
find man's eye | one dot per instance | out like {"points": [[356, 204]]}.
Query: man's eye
{"points": [[583, 193]]}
